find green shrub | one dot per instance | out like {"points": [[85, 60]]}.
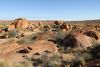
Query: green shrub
{"points": [[26, 64], [78, 61], [51, 61], [12, 33], [25, 40], [5, 63]]}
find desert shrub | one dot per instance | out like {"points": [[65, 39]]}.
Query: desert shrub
{"points": [[59, 37], [25, 40], [37, 62], [12, 33], [68, 50], [26, 64], [1, 25], [82, 56], [4, 63], [78, 62], [87, 56], [47, 60], [57, 26], [3, 35], [52, 61], [61, 34], [95, 51], [55, 57], [28, 39]]}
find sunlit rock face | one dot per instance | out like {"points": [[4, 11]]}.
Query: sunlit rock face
{"points": [[15, 52], [11, 27], [21, 23]]}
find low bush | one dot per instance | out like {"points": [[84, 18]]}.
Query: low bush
{"points": [[5, 63], [12, 33], [25, 40]]}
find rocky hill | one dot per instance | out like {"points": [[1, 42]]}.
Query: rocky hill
{"points": [[28, 43]]}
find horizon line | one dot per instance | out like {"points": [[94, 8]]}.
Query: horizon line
{"points": [[51, 19]]}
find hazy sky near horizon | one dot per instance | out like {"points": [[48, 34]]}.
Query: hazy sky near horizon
{"points": [[50, 9]]}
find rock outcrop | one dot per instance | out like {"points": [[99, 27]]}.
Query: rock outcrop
{"points": [[19, 23], [93, 34], [16, 53], [78, 40], [39, 46], [11, 27], [64, 26]]}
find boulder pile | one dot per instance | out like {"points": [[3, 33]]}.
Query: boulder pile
{"points": [[19, 23]]}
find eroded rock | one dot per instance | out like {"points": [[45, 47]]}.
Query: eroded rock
{"points": [[77, 40]]}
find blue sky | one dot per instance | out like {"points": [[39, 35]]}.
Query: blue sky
{"points": [[50, 9]]}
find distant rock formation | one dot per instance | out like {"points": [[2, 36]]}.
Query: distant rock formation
{"points": [[64, 26], [19, 23], [11, 27]]}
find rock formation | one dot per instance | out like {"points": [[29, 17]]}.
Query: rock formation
{"points": [[15, 52], [78, 40], [19, 23], [93, 34], [11, 27]]}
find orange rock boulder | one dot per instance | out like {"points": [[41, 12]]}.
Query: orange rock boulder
{"points": [[18, 24], [78, 40], [21, 23]]}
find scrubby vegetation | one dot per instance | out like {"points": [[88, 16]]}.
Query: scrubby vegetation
{"points": [[73, 45], [7, 63]]}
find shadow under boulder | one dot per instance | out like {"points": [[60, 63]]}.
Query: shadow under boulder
{"points": [[24, 50]]}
